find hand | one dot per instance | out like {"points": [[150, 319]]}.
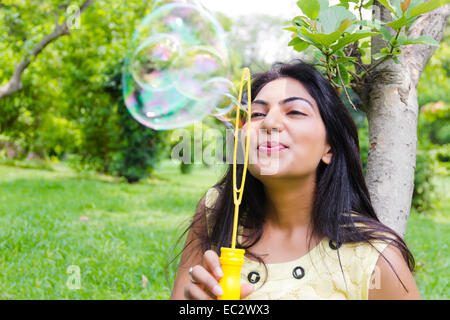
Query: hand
{"points": [[206, 277]]}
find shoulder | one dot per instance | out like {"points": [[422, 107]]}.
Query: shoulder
{"points": [[352, 264], [393, 278], [210, 198], [362, 256]]}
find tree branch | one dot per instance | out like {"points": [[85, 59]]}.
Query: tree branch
{"points": [[15, 83], [416, 56]]}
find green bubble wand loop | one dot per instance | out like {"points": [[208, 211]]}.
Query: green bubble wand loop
{"points": [[232, 259]]}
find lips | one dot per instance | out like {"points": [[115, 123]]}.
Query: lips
{"points": [[269, 147]]}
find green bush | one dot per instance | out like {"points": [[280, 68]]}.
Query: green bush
{"points": [[99, 134], [443, 156], [59, 135], [433, 154], [138, 148], [424, 188]]}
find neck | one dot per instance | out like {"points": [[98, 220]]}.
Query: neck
{"points": [[290, 202]]}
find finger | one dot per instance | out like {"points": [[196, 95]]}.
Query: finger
{"points": [[246, 289], [201, 275], [194, 292], [212, 263]]}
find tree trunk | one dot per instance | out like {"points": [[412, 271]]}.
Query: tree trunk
{"points": [[392, 116], [392, 112]]}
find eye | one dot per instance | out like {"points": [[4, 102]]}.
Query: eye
{"points": [[296, 112], [257, 114]]}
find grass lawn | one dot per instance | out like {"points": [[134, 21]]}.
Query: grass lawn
{"points": [[118, 234], [428, 238], [130, 232]]}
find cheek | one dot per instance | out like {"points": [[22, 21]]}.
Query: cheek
{"points": [[309, 141]]}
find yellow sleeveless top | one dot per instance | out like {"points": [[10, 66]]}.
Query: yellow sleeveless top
{"points": [[316, 275]]}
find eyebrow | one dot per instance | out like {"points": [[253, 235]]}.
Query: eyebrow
{"points": [[284, 101]]}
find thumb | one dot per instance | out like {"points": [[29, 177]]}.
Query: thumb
{"points": [[246, 289]]}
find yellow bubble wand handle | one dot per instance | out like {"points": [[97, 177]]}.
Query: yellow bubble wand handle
{"points": [[232, 259]]}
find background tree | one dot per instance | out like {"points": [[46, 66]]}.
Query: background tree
{"points": [[15, 24], [66, 106], [403, 36]]}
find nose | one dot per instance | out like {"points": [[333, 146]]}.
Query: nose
{"points": [[272, 121]]}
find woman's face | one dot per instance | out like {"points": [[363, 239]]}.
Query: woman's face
{"points": [[287, 134]]}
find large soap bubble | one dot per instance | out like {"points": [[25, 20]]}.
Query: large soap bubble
{"points": [[177, 69]]}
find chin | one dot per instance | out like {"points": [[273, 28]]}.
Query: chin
{"points": [[279, 170], [271, 170]]}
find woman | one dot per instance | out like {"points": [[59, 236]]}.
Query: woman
{"points": [[306, 222]]}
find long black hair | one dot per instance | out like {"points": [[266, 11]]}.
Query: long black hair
{"points": [[342, 210]]}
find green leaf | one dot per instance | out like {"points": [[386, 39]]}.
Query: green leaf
{"points": [[301, 21], [411, 20], [344, 3], [386, 34], [396, 60], [399, 23], [365, 44], [305, 36], [340, 54], [298, 44], [397, 7], [318, 55], [324, 4], [368, 4], [379, 55], [294, 41], [344, 25], [324, 39], [292, 29], [331, 18], [301, 46], [426, 7], [310, 8], [344, 73], [422, 39], [344, 60], [362, 51], [387, 5], [352, 38], [401, 40]]}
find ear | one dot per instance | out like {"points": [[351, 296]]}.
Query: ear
{"points": [[328, 155]]}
